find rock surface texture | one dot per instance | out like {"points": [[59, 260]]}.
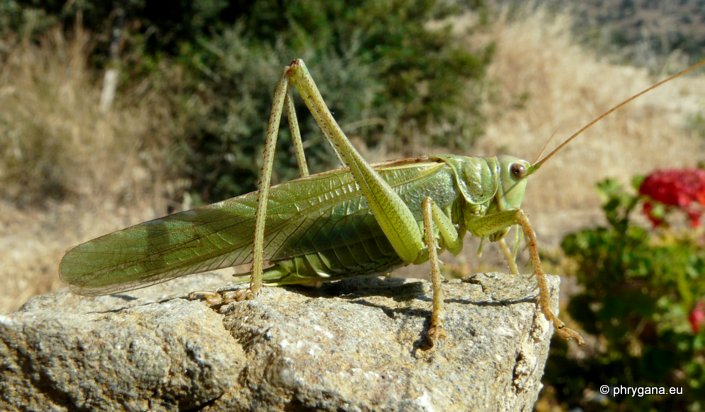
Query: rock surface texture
{"points": [[354, 345]]}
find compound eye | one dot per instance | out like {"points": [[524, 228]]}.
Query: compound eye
{"points": [[518, 170]]}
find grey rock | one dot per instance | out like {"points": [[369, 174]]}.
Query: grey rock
{"points": [[354, 345]]}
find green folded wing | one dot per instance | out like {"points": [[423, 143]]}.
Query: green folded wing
{"points": [[304, 216]]}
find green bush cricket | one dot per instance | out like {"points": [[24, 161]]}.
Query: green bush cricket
{"points": [[357, 220]]}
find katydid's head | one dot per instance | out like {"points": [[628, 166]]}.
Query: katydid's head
{"points": [[513, 173]]}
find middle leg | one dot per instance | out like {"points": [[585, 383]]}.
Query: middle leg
{"points": [[434, 220]]}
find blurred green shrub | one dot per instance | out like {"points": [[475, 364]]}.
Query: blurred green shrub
{"points": [[637, 288], [384, 72], [696, 123], [231, 105]]}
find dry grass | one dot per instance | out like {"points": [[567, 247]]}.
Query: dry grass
{"points": [[56, 142], [547, 85], [68, 172]]}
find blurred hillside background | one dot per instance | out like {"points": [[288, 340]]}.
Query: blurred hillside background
{"points": [[193, 85]]}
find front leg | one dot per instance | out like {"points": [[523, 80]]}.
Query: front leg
{"points": [[492, 223], [544, 297]]}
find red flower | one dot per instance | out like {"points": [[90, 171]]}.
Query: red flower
{"points": [[697, 317], [682, 189]]}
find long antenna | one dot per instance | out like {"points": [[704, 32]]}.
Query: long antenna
{"points": [[543, 148], [538, 164]]}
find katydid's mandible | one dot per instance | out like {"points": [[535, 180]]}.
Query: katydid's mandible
{"points": [[357, 220]]}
